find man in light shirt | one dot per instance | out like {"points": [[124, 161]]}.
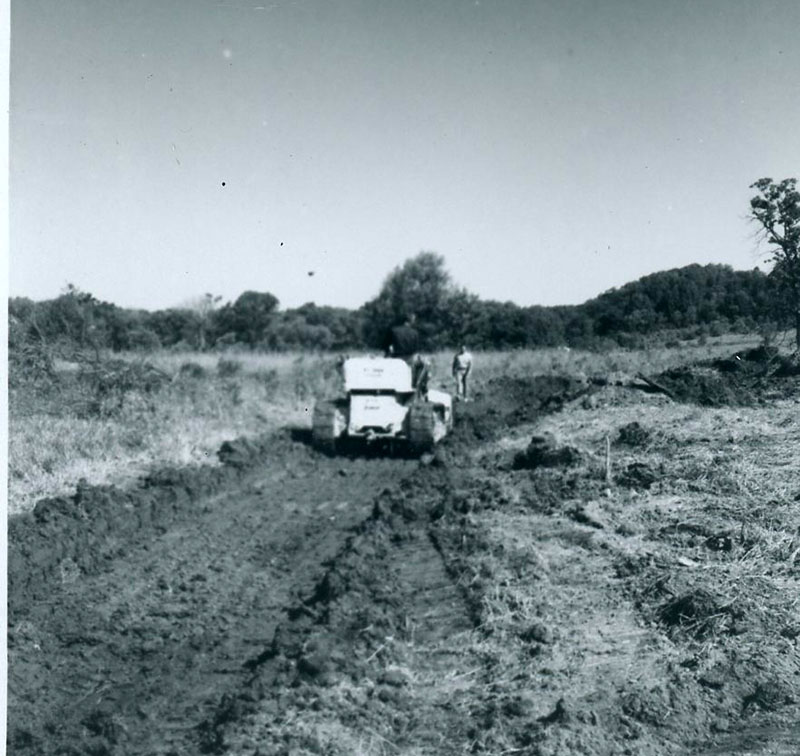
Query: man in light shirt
{"points": [[462, 365]]}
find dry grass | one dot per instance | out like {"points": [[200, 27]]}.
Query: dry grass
{"points": [[210, 398], [54, 442], [658, 591]]}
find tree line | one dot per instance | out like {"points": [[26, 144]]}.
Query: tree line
{"points": [[692, 301]]}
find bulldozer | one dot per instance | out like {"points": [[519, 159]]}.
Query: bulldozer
{"points": [[381, 404]]}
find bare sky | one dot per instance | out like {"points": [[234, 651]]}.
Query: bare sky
{"points": [[161, 149]]}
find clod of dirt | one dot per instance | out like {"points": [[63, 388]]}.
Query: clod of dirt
{"points": [[638, 475], [538, 633], [559, 714], [237, 453], [633, 434], [390, 695], [714, 679], [395, 677], [315, 664], [544, 451], [212, 732], [103, 724], [647, 706], [769, 696], [192, 370], [700, 612], [519, 705], [589, 514]]}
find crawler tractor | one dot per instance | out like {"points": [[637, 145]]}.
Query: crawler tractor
{"points": [[381, 404]]}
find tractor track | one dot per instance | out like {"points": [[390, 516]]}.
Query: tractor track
{"points": [[436, 610], [386, 602], [130, 659], [189, 617]]}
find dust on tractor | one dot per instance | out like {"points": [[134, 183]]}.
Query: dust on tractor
{"points": [[382, 405]]}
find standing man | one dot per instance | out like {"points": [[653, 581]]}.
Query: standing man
{"points": [[420, 374], [462, 365]]}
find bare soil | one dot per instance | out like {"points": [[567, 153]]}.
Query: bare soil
{"points": [[132, 612], [290, 602]]}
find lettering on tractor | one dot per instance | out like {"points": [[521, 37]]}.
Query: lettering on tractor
{"points": [[381, 403]]}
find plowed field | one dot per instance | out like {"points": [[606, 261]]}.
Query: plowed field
{"points": [[291, 602], [131, 654]]}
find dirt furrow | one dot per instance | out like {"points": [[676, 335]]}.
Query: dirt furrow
{"points": [[300, 603], [131, 658], [435, 609], [374, 648]]}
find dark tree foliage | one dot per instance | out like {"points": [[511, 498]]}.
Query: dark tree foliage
{"points": [[345, 325], [77, 320], [419, 291], [776, 209], [248, 317], [459, 319], [176, 328], [691, 301], [680, 298]]}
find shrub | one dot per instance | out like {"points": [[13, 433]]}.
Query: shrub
{"points": [[30, 362], [109, 382], [192, 370], [268, 379], [233, 391], [228, 368]]}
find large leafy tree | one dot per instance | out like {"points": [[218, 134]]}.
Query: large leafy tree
{"points": [[776, 209], [418, 291], [248, 318], [175, 327]]}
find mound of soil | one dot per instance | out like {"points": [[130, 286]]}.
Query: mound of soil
{"points": [[507, 402], [633, 434], [707, 386], [759, 361], [544, 451], [88, 529], [741, 379], [700, 612], [638, 475]]}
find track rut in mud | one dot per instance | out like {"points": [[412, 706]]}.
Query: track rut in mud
{"points": [[129, 653], [287, 601], [163, 619]]}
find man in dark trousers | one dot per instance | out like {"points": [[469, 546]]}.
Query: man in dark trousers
{"points": [[420, 375], [403, 343]]}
